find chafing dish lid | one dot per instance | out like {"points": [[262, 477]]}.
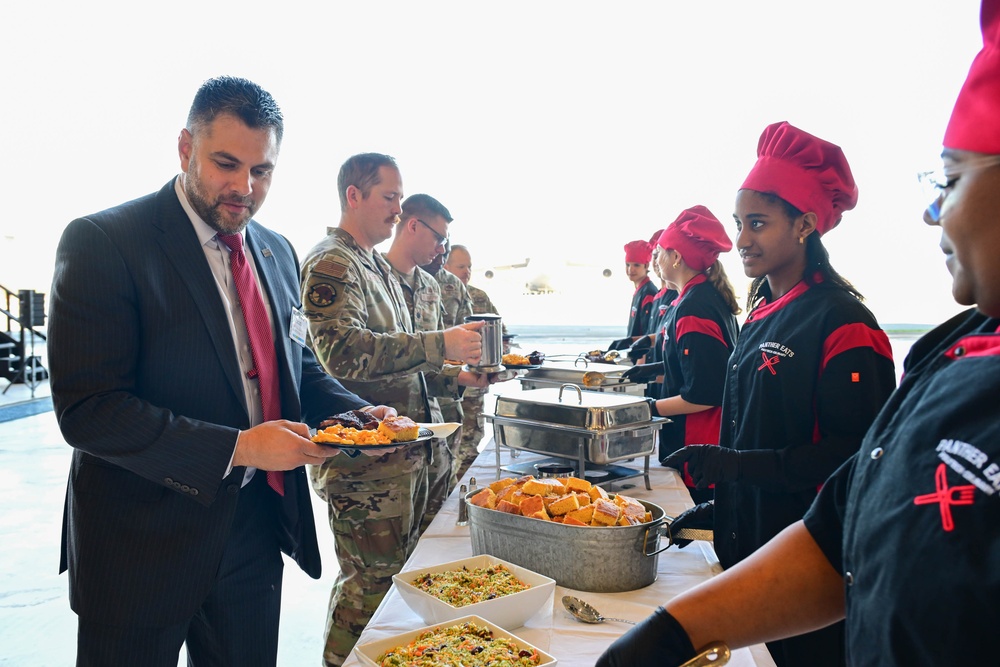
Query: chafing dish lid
{"points": [[568, 406]]}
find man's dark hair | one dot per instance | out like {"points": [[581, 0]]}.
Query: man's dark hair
{"points": [[238, 97], [424, 206], [361, 171]]}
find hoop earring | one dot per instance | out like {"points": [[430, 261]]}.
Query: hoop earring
{"points": [[676, 264], [802, 240]]}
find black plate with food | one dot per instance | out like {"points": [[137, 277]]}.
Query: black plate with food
{"points": [[521, 367]]}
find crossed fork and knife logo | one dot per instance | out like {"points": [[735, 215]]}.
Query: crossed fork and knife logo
{"points": [[946, 497]]}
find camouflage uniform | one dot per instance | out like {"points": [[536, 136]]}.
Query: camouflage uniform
{"points": [[423, 300], [362, 334], [456, 305], [472, 429]]}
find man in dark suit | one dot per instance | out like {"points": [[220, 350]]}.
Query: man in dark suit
{"points": [[174, 521]]}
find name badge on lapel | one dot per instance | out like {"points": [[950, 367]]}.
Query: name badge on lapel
{"points": [[299, 327]]}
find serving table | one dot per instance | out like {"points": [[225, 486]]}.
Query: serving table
{"points": [[552, 629]]}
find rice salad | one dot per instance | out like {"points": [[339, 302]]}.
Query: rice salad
{"points": [[464, 645], [460, 588]]}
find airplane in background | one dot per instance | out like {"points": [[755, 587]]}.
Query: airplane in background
{"points": [[539, 276]]}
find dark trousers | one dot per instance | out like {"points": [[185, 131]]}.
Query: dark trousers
{"points": [[237, 623]]}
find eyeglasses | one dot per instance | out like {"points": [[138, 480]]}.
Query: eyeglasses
{"points": [[442, 240], [941, 181]]}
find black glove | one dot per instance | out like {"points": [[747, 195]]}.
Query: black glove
{"points": [[707, 464], [639, 348], [658, 641], [700, 517], [653, 412], [620, 344], [642, 372]]}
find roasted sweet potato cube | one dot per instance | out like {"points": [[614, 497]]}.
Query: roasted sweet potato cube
{"points": [[606, 513], [516, 498], [509, 508], [564, 504], [597, 492], [506, 492], [584, 515], [532, 504], [576, 484], [485, 498], [501, 484], [544, 487]]}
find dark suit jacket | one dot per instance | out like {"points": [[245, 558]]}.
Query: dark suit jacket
{"points": [[146, 387]]}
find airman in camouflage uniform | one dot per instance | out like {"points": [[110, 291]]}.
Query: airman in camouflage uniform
{"points": [[456, 305], [362, 334], [459, 263], [418, 240]]}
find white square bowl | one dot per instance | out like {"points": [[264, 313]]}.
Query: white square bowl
{"points": [[369, 652], [508, 611]]}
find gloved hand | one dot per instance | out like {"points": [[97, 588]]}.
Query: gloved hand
{"points": [[639, 348], [658, 641], [707, 464], [620, 344], [642, 372], [700, 517]]}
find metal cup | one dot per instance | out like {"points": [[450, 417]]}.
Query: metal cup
{"points": [[492, 333]]}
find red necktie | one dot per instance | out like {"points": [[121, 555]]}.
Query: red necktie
{"points": [[261, 341]]}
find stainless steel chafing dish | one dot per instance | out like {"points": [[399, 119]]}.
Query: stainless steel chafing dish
{"points": [[587, 426], [583, 374]]}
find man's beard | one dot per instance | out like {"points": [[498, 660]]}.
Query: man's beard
{"points": [[212, 213]]}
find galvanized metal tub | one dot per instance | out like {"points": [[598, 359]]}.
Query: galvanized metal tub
{"points": [[584, 558]]}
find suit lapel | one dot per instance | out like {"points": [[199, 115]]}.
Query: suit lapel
{"points": [[181, 248]]}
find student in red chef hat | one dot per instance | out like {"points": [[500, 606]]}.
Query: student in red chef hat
{"points": [[902, 541], [645, 349], [637, 256], [699, 335], [810, 370]]}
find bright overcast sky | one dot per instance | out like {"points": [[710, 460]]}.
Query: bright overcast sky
{"points": [[557, 128]]}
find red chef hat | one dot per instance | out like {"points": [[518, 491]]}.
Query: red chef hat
{"points": [[975, 121], [698, 236], [655, 237], [807, 172], [639, 252]]}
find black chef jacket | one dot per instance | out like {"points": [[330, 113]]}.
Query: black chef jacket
{"points": [[642, 302], [913, 521], [658, 309], [809, 373], [699, 335]]}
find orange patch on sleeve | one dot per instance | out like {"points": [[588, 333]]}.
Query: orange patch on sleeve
{"points": [[855, 377]]}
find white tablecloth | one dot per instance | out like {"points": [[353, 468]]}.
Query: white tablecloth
{"points": [[552, 629]]}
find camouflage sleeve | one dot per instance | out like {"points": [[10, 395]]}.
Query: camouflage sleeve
{"points": [[344, 330], [464, 306], [445, 383]]}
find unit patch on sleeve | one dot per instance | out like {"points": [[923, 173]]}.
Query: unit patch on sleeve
{"points": [[322, 295]]}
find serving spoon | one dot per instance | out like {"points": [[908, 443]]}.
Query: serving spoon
{"points": [[587, 613], [714, 654]]}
